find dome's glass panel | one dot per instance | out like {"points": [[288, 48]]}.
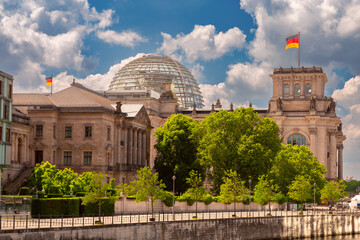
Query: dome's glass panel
{"points": [[151, 71]]}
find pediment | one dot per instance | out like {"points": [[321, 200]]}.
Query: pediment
{"points": [[142, 116], [87, 146], [38, 145], [67, 146]]}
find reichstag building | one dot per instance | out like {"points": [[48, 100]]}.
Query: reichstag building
{"points": [[113, 131]]}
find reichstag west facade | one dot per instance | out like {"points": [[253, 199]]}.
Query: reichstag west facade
{"points": [[113, 131]]}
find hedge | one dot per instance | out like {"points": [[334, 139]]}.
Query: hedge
{"points": [[55, 207], [107, 208]]}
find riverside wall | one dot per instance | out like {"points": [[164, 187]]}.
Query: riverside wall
{"points": [[233, 228]]}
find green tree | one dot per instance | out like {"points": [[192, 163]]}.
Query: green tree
{"points": [[60, 183], [147, 186], [293, 161], [196, 190], [352, 186], [96, 191], [241, 140], [176, 151], [233, 189], [333, 191], [300, 189], [264, 191], [43, 172]]}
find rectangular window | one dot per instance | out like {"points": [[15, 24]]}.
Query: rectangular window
{"points": [[1, 134], [10, 91], [54, 131], [1, 83], [108, 133], [6, 110], [67, 158], [8, 135], [68, 132], [87, 158], [39, 130], [88, 131], [54, 156]]}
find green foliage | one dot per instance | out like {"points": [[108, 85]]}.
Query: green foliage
{"points": [[44, 171], [301, 189], [176, 149], [333, 191], [233, 189], [96, 191], [241, 140], [293, 161], [54, 196], [55, 207], [24, 191], [264, 191], [280, 198], [352, 186], [196, 190], [147, 186], [167, 198], [186, 197], [205, 198], [107, 207]]}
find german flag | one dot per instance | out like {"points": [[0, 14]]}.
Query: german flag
{"points": [[49, 81], [293, 41]]}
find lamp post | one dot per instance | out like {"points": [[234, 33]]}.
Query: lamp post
{"points": [[314, 198], [173, 178]]}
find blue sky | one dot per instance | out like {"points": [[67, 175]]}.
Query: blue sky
{"points": [[230, 46]]}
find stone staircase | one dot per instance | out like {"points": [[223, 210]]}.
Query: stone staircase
{"points": [[13, 186]]}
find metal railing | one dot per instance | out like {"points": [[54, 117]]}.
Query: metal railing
{"points": [[25, 221]]}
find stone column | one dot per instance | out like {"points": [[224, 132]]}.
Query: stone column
{"points": [[119, 147], [340, 148], [139, 162], [322, 146], [126, 145], [135, 144], [302, 88], [131, 146], [313, 133], [291, 85], [144, 163], [332, 157]]}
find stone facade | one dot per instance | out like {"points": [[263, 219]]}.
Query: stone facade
{"points": [[298, 105], [80, 129]]}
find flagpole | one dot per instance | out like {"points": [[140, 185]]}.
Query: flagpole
{"points": [[299, 52], [53, 81]]}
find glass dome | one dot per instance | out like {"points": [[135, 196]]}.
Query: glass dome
{"points": [[151, 71]]}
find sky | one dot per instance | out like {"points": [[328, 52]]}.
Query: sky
{"points": [[230, 46]]}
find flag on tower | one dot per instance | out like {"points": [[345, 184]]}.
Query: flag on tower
{"points": [[49, 81], [293, 41]]}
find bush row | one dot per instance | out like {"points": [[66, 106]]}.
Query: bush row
{"points": [[57, 207]]}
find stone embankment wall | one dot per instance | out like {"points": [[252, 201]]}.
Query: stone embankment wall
{"points": [[130, 206], [237, 228]]}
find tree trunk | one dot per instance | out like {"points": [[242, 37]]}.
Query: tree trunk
{"points": [[269, 208], [152, 208], [100, 210]]}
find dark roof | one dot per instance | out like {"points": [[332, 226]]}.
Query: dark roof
{"points": [[298, 70]]}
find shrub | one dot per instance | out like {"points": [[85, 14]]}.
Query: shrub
{"points": [[55, 207], [186, 198], [51, 195], [107, 208], [80, 194], [167, 198], [207, 199], [24, 191]]}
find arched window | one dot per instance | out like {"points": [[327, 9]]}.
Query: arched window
{"points": [[286, 89], [308, 88], [296, 139], [297, 88]]}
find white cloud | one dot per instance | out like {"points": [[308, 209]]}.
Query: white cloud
{"points": [[350, 94], [197, 71], [37, 34], [99, 82], [245, 82], [203, 43], [125, 38]]}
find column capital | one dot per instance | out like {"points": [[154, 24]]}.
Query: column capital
{"points": [[331, 132], [340, 146], [313, 130]]}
